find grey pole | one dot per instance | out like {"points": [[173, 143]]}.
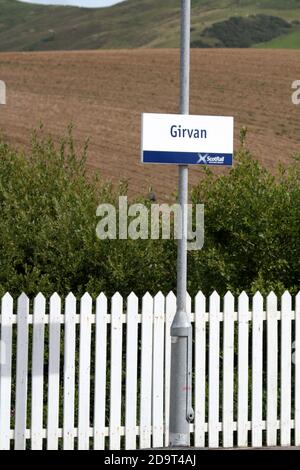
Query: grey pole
{"points": [[181, 411]]}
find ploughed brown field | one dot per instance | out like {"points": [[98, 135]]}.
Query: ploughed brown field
{"points": [[104, 93]]}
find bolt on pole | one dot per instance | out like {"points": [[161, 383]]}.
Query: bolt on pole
{"points": [[181, 411]]}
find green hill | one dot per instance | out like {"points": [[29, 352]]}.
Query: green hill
{"points": [[147, 23]]}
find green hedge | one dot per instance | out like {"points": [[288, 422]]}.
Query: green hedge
{"points": [[48, 237], [48, 219], [240, 31]]}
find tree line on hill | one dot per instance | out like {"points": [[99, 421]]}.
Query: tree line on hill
{"points": [[239, 31]]}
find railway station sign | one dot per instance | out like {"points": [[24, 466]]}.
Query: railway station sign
{"points": [[187, 139]]}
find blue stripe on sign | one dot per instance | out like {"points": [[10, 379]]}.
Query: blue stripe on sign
{"points": [[186, 158]]}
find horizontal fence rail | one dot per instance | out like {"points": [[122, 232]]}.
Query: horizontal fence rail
{"points": [[95, 374]]}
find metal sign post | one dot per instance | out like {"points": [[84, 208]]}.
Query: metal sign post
{"points": [[181, 411], [182, 139]]}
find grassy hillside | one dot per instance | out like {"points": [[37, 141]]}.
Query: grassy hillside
{"points": [[134, 23]]}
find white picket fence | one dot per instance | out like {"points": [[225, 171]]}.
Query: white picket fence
{"points": [[98, 377]]}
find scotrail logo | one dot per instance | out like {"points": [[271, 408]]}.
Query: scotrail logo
{"points": [[207, 159], [202, 158]]}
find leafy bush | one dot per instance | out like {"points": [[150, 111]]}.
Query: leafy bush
{"points": [[252, 227], [48, 241], [48, 219]]}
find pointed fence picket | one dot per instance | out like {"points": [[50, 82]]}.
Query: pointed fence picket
{"points": [[228, 370], [100, 373], [257, 371], [214, 370], [87, 377], [170, 313], [37, 381], [286, 370], [69, 373], [296, 360], [5, 370], [146, 372], [272, 369], [131, 371], [84, 373], [53, 373], [158, 371], [243, 370], [200, 370], [116, 372], [22, 372]]}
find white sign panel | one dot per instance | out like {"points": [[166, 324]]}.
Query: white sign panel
{"points": [[187, 139]]}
